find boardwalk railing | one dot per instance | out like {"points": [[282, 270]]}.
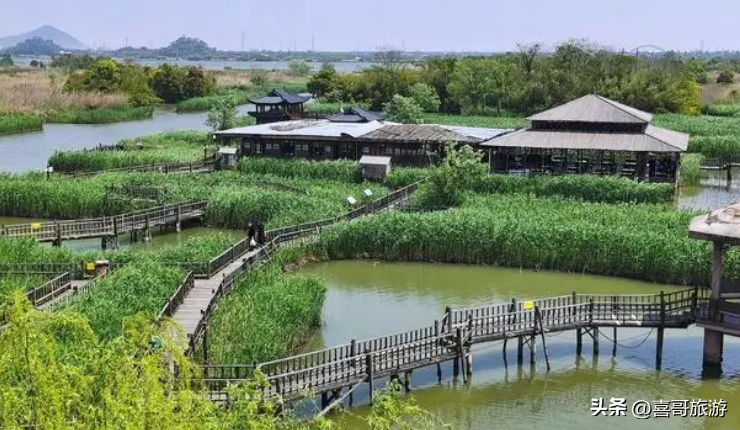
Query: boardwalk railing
{"points": [[242, 246], [179, 295], [181, 167], [105, 226], [50, 290], [341, 366]]}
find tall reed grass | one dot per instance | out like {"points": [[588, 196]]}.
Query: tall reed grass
{"points": [[12, 123], [100, 115], [346, 171]]}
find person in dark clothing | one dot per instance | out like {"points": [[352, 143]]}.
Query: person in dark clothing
{"points": [[260, 233], [252, 235]]}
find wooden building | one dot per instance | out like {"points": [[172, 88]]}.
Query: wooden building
{"points": [[375, 167], [592, 135], [406, 144], [278, 105]]}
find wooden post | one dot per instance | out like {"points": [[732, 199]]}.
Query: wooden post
{"points": [[407, 380], [661, 334], [324, 400], [532, 349], [178, 222], [439, 373], [369, 366], [614, 347], [59, 236], [458, 354], [205, 343], [520, 350], [448, 312], [579, 341], [353, 351], [595, 335], [542, 334], [728, 166], [506, 340]]}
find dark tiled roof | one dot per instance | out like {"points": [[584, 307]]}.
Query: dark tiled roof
{"points": [[278, 96], [357, 115]]}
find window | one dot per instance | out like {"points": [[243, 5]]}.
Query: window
{"points": [[247, 145], [258, 149], [389, 150], [365, 150]]}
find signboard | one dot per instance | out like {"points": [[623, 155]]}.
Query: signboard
{"points": [[89, 267], [528, 305], [35, 226]]}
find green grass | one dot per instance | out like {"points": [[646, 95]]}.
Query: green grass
{"points": [[12, 123], [647, 242], [20, 282], [100, 116], [143, 286], [346, 171], [722, 109], [324, 108], [603, 189], [268, 314], [170, 147], [691, 174], [200, 104]]}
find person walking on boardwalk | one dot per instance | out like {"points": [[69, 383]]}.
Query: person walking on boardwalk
{"points": [[252, 234]]}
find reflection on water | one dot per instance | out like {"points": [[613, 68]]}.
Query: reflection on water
{"points": [[712, 194], [376, 298]]}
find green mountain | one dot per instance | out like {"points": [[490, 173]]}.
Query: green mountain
{"points": [[47, 32]]}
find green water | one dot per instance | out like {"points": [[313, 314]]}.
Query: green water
{"points": [[159, 237], [367, 299]]}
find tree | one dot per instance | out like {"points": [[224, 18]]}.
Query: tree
{"points": [[197, 84], [425, 96], [389, 57], [135, 83], [222, 116], [527, 57], [6, 61], [404, 110], [324, 81], [35, 46], [299, 68], [726, 77], [460, 170], [34, 63], [437, 72], [168, 83], [103, 76]]}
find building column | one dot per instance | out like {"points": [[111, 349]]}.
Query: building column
{"points": [[714, 340]]}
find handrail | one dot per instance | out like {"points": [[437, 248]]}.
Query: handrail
{"points": [[178, 296], [50, 289], [181, 166]]}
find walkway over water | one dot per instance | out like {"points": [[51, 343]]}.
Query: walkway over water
{"points": [[107, 226], [451, 337]]}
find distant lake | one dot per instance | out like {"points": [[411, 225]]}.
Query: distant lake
{"points": [[341, 66]]}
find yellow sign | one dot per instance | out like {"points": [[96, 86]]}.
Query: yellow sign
{"points": [[35, 226], [528, 305], [89, 267]]}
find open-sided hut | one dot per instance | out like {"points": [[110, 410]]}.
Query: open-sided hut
{"points": [[591, 135], [406, 144], [278, 105]]}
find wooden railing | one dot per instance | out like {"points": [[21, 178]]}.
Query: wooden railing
{"points": [[342, 365], [179, 295], [241, 247], [186, 166], [50, 290], [105, 226]]}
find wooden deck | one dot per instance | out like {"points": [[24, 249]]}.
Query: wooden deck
{"points": [[110, 226], [451, 337], [194, 305]]}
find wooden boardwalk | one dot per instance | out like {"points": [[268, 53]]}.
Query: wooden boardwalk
{"points": [[195, 303], [110, 226], [451, 337]]}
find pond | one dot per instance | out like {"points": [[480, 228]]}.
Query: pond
{"points": [[368, 299]]}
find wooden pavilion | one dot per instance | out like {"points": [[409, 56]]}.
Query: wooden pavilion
{"points": [[590, 135], [278, 105]]}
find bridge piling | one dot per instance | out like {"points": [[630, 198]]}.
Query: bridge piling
{"points": [[458, 353], [595, 336], [532, 349], [579, 341], [661, 334], [614, 346], [369, 365]]}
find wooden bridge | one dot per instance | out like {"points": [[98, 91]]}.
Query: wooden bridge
{"points": [[206, 165], [108, 227], [330, 370]]}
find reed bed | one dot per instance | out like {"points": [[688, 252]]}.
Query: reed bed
{"points": [[603, 189], [101, 116], [722, 109], [267, 315], [9, 284], [40, 92], [94, 161], [199, 104], [691, 174], [141, 287], [26, 251], [345, 171], [646, 242], [12, 123], [324, 108]]}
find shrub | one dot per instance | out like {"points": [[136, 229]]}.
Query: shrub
{"points": [[404, 110], [726, 77], [425, 96], [299, 68]]}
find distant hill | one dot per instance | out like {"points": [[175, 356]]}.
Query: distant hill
{"points": [[34, 46], [47, 32]]}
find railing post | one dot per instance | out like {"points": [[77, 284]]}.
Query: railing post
{"points": [[591, 311], [448, 312], [695, 303], [661, 333], [369, 369], [353, 352]]}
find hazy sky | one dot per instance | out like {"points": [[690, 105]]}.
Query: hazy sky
{"points": [[482, 25]]}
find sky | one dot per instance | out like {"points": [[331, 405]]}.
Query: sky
{"points": [[346, 25]]}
